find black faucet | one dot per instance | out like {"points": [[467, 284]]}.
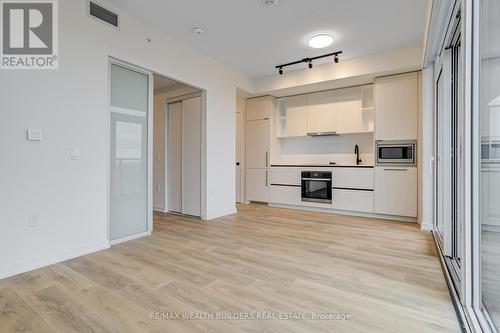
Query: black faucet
{"points": [[356, 151]]}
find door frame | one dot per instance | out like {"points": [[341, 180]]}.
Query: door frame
{"points": [[203, 186], [149, 217]]}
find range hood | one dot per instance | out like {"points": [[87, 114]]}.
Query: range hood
{"points": [[333, 133]]}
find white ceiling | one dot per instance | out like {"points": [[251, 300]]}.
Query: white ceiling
{"points": [[253, 38]]}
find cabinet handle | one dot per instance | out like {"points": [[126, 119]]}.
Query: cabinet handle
{"points": [[395, 169], [267, 158], [267, 179]]}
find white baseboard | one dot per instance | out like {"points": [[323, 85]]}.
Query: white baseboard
{"points": [[11, 271], [131, 237], [159, 209], [215, 216], [426, 227]]}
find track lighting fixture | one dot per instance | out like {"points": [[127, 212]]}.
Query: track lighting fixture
{"points": [[309, 61]]}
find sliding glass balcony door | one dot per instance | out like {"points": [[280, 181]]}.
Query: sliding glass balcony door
{"points": [[489, 160], [449, 133]]}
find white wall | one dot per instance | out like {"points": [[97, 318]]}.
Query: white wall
{"points": [[159, 143], [70, 105], [322, 150], [349, 72]]}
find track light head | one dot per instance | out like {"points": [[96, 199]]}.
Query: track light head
{"points": [[310, 64], [336, 59], [280, 71]]}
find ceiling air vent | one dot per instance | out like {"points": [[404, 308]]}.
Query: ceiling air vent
{"points": [[103, 14]]}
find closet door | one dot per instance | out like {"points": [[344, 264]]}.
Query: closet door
{"points": [[175, 157], [191, 156]]}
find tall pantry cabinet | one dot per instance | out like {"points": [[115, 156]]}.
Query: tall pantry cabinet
{"points": [[257, 155], [397, 103]]}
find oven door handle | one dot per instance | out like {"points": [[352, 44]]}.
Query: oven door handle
{"points": [[319, 179]]}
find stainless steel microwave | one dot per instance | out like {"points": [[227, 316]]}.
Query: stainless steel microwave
{"points": [[398, 153]]}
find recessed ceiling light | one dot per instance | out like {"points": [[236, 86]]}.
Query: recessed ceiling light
{"points": [[198, 31], [269, 3], [320, 41]]}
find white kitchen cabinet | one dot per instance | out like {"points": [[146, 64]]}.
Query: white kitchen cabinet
{"points": [[296, 115], [396, 107], [258, 108], [321, 115], [355, 177], [257, 185], [287, 195], [257, 143], [285, 176], [353, 200], [396, 191], [349, 113]]}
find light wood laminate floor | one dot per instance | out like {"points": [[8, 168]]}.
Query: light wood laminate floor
{"points": [[384, 276]]}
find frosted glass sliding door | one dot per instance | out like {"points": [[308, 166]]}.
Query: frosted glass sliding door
{"points": [[129, 152]]}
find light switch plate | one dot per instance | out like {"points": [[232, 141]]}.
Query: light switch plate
{"points": [[74, 154], [34, 134]]}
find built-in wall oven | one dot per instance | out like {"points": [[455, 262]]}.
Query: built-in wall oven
{"points": [[317, 186], [398, 153]]}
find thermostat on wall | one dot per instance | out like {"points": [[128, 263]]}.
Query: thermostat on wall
{"points": [[34, 134]]}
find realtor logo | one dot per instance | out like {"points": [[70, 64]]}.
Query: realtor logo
{"points": [[29, 37]]}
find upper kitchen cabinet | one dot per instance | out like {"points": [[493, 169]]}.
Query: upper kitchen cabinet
{"points": [[348, 110], [258, 108], [321, 115], [349, 113], [396, 107], [296, 115]]}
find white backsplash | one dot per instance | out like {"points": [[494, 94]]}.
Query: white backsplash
{"points": [[323, 150]]}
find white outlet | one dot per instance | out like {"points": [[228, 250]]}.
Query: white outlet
{"points": [[74, 154], [34, 220]]}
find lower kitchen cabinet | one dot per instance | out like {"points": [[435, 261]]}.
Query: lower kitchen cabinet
{"points": [[356, 178], [396, 191], [287, 195], [353, 200], [257, 185], [285, 176]]}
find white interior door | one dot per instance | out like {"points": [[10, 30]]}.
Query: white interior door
{"points": [[129, 152], [191, 156], [175, 157]]}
